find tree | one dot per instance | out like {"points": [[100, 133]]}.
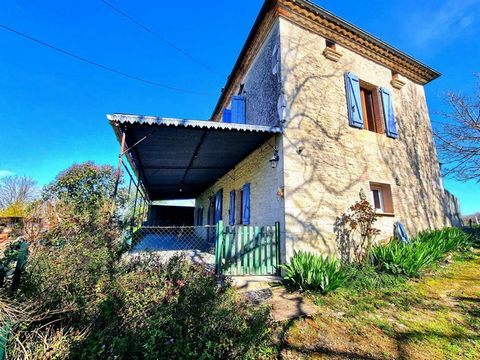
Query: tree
{"points": [[459, 136], [15, 193], [80, 202]]}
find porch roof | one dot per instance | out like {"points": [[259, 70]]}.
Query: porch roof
{"points": [[180, 158]]}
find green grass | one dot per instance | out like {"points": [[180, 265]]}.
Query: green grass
{"points": [[392, 317]]}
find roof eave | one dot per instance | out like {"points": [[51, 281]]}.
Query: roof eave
{"points": [[269, 5], [332, 17]]}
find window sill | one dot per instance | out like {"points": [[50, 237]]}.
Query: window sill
{"points": [[385, 214]]}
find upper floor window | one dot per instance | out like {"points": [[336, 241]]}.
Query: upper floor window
{"points": [[370, 107], [372, 116]]}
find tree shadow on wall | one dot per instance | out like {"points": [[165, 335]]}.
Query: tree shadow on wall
{"points": [[317, 121]]}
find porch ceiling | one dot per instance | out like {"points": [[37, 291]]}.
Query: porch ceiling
{"points": [[179, 159]]}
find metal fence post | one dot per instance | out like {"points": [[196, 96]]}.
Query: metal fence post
{"points": [[277, 246], [132, 222]]}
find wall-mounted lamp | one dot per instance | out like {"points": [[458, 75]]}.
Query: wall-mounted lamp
{"points": [[274, 159]]}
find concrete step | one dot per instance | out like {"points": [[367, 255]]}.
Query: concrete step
{"points": [[248, 283]]}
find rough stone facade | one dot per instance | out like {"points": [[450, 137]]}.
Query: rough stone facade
{"points": [[324, 163], [337, 160], [261, 87], [266, 207]]}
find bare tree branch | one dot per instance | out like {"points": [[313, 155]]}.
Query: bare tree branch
{"points": [[459, 136], [17, 190]]}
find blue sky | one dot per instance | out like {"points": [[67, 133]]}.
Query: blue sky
{"points": [[52, 107]]}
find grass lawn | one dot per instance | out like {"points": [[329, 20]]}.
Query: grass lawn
{"points": [[436, 317]]}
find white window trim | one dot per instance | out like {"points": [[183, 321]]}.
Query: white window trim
{"points": [[380, 198]]}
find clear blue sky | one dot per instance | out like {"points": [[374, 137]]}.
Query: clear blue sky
{"points": [[52, 108]]}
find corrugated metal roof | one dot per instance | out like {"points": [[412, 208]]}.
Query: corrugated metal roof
{"points": [[180, 159], [202, 124]]}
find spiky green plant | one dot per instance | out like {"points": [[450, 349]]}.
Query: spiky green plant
{"points": [[425, 249], [307, 271]]}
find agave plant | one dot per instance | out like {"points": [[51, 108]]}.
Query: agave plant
{"points": [[307, 271], [427, 248]]}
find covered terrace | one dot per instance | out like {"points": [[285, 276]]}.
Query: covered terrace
{"points": [[175, 159]]}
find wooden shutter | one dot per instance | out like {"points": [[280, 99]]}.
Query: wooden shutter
{"points": [[227, 116], [354, 104], [246, 204], [218, 205], [232, 207], [238, 109], [388, 113]]}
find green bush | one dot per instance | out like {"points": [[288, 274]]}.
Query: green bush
{"points": [[425, 249], [307, 271], [144, 310], [173, 311], [88, 304]]}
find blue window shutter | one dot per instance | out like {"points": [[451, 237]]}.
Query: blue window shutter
{"points": [[246, 204], [218, 206], [388, 113], [354, 102], [227, 116], [232, 207], [238, 109]]}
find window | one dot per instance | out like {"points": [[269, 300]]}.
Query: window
{"points": [[211, 211], [231, 211], [377, 198], [370, 107], [238, 206], [381, 197], [372, 116], [330, 44], [199, 216]]}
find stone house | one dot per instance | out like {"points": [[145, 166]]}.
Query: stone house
{"points": [[322, 110]]}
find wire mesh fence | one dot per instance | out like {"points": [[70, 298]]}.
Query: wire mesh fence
{"points": [[194, 242]]}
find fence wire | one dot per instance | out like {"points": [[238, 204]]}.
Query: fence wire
{"points": [[194, 242]]}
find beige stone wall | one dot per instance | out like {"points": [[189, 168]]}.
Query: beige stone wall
{"points": [[338, 160], [265, 206]]}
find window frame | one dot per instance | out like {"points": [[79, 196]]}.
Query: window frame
{"points": [[385, 198], [239, 206], [375, 107], [379, 190]]}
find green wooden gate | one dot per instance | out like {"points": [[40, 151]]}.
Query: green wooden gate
{"points": [[247, 250]]}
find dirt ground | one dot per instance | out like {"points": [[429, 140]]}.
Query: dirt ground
{"points": [[437, 317]]}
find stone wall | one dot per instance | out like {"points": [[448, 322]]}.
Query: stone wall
{"points": [[266, 207], [261, 87], [324, 179]]}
